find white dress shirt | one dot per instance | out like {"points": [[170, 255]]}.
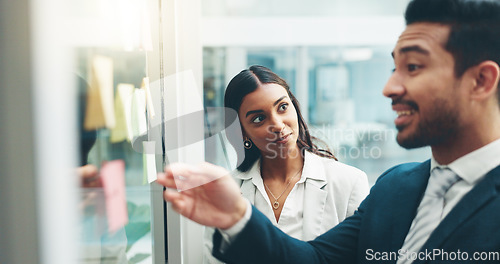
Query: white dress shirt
{"points": [[471, 168], [290, 220]]}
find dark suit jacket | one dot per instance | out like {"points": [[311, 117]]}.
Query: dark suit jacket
{"points": [[376, 232]]}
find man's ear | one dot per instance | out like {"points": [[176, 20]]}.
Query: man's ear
{"points": [[486, 76]]}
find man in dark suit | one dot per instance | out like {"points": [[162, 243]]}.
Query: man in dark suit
{"points": [[445, 91]]}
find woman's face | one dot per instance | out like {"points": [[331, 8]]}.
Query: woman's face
{"points": [[269, 119]]}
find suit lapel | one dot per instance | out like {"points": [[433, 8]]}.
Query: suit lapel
{"points": [[314, 196], [472, 202], [408, 197]]}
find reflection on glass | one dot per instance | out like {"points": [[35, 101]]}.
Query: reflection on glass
{"points": [[115, 196]]}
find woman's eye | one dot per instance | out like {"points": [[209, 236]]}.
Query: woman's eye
{"points": [[413, 67], [283, 107], [258, 119]]}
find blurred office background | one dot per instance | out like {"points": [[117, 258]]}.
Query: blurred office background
{"points": [[335, 55]]}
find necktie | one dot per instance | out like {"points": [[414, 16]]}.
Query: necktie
{"points": [[429, 211]]}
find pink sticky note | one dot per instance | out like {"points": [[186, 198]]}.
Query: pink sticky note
{"points": [[113, 181]]}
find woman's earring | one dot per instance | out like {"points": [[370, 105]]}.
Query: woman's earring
{"points": [[247, 143]]}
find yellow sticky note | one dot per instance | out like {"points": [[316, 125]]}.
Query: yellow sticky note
{"points": [[123, 103], [149, 99], [100, 109], [138, 109]]}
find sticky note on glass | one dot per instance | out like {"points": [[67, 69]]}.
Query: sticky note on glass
{"points": [[100, 109], [113, 182], [123, 105], [139, 123], [149, 99], [149, 161]]}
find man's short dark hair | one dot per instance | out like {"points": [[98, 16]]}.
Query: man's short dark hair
{"points": [[475, 28]]}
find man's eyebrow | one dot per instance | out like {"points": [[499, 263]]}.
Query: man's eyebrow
{"points": [[415, 48]]}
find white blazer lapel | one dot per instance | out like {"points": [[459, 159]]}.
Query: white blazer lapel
{"points": [[247, 187], [314, 196], [248, 190]]}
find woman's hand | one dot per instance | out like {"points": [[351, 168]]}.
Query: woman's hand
{"points": [[207, 194], [89, 176]]}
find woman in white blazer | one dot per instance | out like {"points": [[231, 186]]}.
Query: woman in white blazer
{"points": [[302, 189]]}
